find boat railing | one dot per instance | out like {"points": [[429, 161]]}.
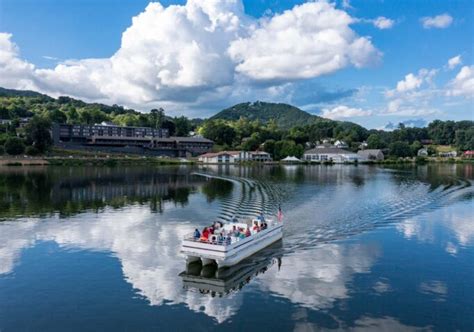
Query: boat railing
{"points": [[225, 242]]}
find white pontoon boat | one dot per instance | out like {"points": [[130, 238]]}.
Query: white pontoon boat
{"points": [[225, 249]]}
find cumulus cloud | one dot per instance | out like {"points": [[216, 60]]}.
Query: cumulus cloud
{"points": [[454, 62], [310, 40], [201, 53], [412, 81], [383, 23], [463, 83], [440, 21], [412, 96], [14, 72], [343, 111]]}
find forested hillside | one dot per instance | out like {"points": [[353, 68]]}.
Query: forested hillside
{"points": [[280, 129], [286, 116]]}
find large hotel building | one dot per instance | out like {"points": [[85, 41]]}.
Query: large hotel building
{"points": [[135, 140]]}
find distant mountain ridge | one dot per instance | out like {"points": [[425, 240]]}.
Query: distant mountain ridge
{"points": [[21, 93], [285, 115]]}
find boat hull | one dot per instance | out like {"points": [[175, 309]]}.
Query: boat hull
{"points": [[231, 254]]}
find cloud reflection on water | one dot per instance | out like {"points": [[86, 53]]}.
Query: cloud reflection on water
{"points": [[456, 221], [148, 249]]}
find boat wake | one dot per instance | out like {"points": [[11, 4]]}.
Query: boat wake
{"points": [[315, 214]]}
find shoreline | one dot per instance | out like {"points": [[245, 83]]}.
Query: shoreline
{"points": [[112, 161]]}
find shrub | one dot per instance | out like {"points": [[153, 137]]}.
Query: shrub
{"points": [[2, 150], [421, 160], [31, 151], [14, 146]]}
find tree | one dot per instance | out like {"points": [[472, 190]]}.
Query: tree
{"points": [[92, 115], [31, 151], [157, 117], [287, 148], [465, 139], [38, 133], [72, 116], [269, 146], [126, 120], [183, 126], [57, 116], [219, 132], [4, 113], [374, 141], [299, 135], [251, 143], [14, 146], [170, 125], [2, 150], [414, 147], [400, 149]]}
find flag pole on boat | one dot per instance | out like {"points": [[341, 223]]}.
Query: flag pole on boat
{"points": [[280, 213]]}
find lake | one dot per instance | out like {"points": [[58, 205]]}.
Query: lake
{"points": [[364, 248]]}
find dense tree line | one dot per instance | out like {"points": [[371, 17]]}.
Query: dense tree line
{"points": [[229, 133], [42, 111]]}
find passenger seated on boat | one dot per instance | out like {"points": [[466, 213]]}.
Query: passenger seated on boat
{"points": [[264, 225], [220, 239], [214, 239], [255, 227], [197, 235], [228, 240], [205, 234], [247, 232]]}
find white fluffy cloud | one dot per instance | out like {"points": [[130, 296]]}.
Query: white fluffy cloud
{"points": [[454, 62], [440, 21], [412, 81], [200, 53], [383, 23], [412, 95], [418, 95], [13, 71], [343, 111], [463, 83], [310, 40]]}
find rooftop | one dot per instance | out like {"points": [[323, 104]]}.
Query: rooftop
{"points": [[369, 151], [191, 139], [332, 150], [221, 153]]}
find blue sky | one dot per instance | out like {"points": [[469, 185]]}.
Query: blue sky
{"points": [[49, 45]]}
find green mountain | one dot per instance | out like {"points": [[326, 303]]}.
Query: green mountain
{"points": [[22, 93], [285, 115]]}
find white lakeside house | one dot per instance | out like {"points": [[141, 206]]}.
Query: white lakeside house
{"points": [[336, 155], [229, 157]]}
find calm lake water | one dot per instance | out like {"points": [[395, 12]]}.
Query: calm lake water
{"points": [[364, 248]]}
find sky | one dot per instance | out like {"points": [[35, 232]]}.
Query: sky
{"points": [[376, 63]]}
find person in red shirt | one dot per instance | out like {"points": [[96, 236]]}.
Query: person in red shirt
{"points": [[255, 227], [247, 232], [205, 234]]}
